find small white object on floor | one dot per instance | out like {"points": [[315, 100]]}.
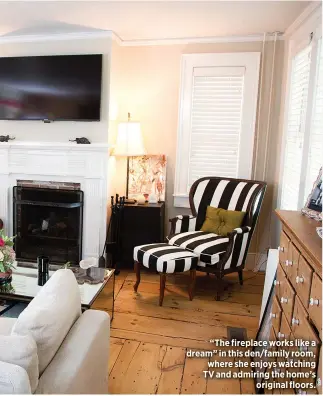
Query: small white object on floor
{"points": [[89, 262], [319, 231]]}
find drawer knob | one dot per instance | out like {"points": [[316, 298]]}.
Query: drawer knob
{"points": [[284, 300], [299, 279], [295, 321], [281, 249], [272, 315], [314, 301], [276, 282], [280, 335], [288, 263]]}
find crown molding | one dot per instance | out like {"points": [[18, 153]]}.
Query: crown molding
{"points": [[38, 38], [109, 34], [199, 40], [312, 8], [116, 38]]}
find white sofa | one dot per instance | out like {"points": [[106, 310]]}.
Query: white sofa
{"points": [[54, 348]]}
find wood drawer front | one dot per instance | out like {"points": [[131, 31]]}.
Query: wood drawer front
{"points": [[303, 330], [283, 248], [303, 281], [315, 302], [287, 299], [285, 331], [280, 281], [276, 314], [292, 349], [291, 264], [272, 337], [300, 321], [319, 375]]}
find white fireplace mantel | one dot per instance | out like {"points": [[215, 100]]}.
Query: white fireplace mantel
{"points": [[86, 164]]}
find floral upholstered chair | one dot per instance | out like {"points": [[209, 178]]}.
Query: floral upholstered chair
{"points": [[217, 254]]}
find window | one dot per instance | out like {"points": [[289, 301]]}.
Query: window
{"points": [[304, 127], [217, 118], [316, 136]]}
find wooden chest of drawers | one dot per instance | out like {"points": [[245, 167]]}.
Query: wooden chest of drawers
{"points": [[297, 307]]}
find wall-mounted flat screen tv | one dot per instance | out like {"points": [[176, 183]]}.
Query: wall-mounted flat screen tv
{"points": [[55, 88]]}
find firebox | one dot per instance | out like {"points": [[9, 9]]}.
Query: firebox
{"points": [[48, 222]]}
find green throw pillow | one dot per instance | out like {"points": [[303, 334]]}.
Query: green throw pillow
{"points": [[221, 221]]}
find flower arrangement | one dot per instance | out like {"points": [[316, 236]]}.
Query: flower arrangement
{"points": [[7, 259]]}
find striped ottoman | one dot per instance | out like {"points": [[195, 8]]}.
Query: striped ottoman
{"points": [[165, 259]]}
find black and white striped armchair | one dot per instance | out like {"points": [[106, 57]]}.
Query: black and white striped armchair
{"points": [[217, 254]]}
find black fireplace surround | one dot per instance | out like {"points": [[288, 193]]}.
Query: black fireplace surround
{"points": [[48, 222]]}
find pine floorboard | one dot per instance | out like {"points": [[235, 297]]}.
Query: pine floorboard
{"points": [[149, 343]]}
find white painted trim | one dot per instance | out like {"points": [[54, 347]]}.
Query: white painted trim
{"points": [[286, 100], [116, 38], [199, 40], [308, 124], [55, 37], [250, 61], [181, 201], [99, 147], [297, 39], [313, 7], [62, 162], [135, 43]]}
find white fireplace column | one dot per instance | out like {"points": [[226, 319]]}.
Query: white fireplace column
{"points": [[60, 162]]}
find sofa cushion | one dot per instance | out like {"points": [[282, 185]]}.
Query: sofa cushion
{"points": [[51, 314], [6, 325], [81, 364], [13, 380], [209, 247], [21, 351]]}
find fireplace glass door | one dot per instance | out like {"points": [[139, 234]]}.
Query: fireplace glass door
{"points": [[48, 222]]}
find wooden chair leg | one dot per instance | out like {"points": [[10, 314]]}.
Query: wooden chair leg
{"points": [[219, 289], [240, 273], [137, 271], [191, 289], [162, 288]]}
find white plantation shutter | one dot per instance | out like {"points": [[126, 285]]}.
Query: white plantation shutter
{"points": [[218, 102], [296, 118], [216, 116], [316, 135]]}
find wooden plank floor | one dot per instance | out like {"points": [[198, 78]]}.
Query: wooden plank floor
{"points": [[149, 343]]}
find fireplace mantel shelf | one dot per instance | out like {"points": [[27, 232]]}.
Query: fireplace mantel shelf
{"points": [[54, 145]]}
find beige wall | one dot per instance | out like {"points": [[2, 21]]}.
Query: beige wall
{"points": [[146, 83]]}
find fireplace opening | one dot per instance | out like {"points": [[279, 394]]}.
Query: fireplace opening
{"points": [[48, 222]]}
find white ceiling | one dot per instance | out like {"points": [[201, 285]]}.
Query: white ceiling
{"points": [[133, 20]]}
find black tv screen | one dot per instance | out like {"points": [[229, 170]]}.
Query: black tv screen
{"points": [[62, 87]]}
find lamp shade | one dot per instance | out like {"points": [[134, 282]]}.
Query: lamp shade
{"points": [[129, 140]]}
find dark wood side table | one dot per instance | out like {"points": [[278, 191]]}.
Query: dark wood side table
{"points": [[140, 224]]}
